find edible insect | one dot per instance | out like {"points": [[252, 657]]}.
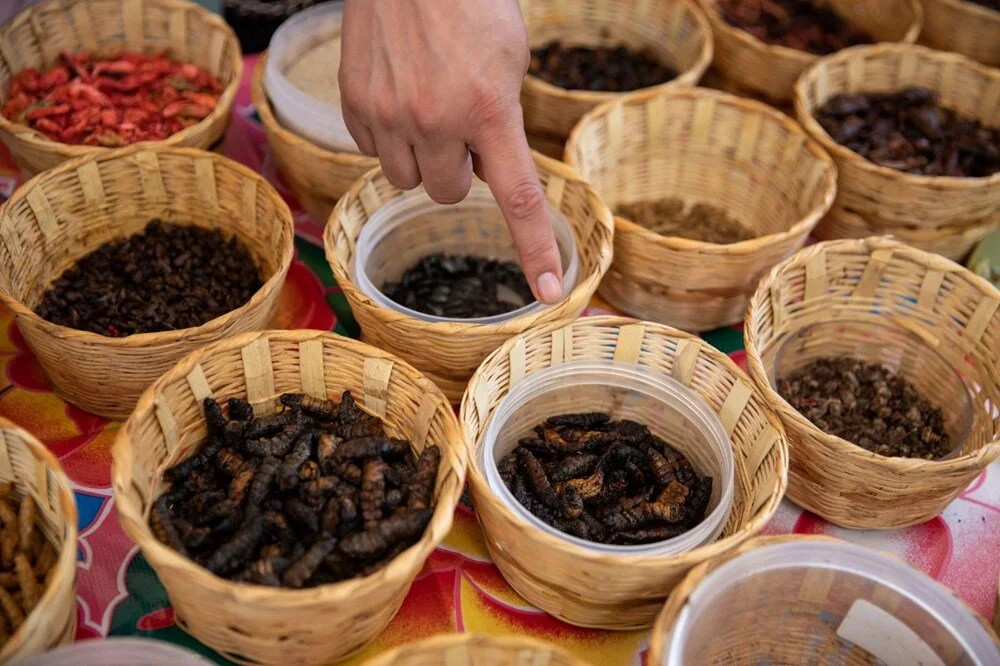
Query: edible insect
{"points": [[629, 487], [276, 496]]}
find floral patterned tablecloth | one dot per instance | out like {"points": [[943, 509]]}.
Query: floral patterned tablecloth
{"points": [[459, 589]]}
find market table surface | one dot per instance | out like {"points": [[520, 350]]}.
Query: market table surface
{"points": [[459, 589]]}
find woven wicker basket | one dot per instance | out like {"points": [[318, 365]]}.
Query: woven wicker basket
{"points": [[476, 650], [675, 30], [448, 352], [963, 27], [193, 34], [771, 69], [317, 176], [734, 153], [254, 624], [792, 634], [953, 242], [871, 286], [64, 214], [36, 473], [887, 196], [609, 590]]}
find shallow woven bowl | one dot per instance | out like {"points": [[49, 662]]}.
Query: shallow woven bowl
{"points": [[771, 70], [317, 176], [476, 650], [736, 154], [963, 27], [953, 242], [885, 284], [193, 34], [676, 31], [36, 473], [61, 215], [256, 624], [612, 591], [885, 196], [792, 638], [450, 352]]}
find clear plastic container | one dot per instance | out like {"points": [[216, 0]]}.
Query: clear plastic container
{"points": [[902, 351], [412, 226], [119, 652], [668, 408], [320, 122], [815, 602]]}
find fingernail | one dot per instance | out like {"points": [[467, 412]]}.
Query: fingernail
{"points": [[549, 288]]}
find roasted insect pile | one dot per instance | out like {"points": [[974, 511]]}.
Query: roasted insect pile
{"points": [[309, 495], [26, 559], [606, 481]]}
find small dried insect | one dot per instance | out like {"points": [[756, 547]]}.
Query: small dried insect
{"points": [[240, 409], [421, 489], [233, 553], [400, 525], [537, 481], [372, 492], [326, 450], [570, 467], [324, 409], [289, 474], [372, 447], [215, 419], [303, 568]]}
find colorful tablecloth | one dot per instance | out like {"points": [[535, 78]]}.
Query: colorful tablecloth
{"points": [[459, 589]]}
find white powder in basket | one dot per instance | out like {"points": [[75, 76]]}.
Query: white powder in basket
{"points": [[315, 72]]}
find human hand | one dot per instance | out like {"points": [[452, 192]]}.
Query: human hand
{"points": [[432, 87]]}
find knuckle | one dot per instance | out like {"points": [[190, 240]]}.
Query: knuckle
{"points": [[490, 107], [536, 252], [525, 201], [427, 118], [384, 112]]}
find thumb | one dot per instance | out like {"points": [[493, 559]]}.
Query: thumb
{"points": [[508, 169]]}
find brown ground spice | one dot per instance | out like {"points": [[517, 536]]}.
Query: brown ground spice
{"points": [[702, 222]]}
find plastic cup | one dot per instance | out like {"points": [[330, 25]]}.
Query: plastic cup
{"points": [[119, 652], [933, 376], [411, 226], [668, 408], [812, 602], [296, 109]]}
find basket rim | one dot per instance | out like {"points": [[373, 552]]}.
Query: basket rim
{"points": [[441, 642], [578, 297], [262, 103], [908, 235], [723, 544], [744, 105], [803, 58], [160, 555], [67, 554], [979, 459], [689, 76], [973, 10], [222, 109], [139, 340], [803, 111]]}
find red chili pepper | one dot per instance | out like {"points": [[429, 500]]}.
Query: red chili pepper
{"points": [[47, 125], [45, 112]]}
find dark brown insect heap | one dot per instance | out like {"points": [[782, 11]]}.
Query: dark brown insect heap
{"points": [[313, 494], [606, 481], [26, 559]]}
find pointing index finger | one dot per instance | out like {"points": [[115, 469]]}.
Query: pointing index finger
{"points": [[510, 172]]}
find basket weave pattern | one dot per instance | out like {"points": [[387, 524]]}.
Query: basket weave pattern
{"points": [[676, 31], [771, 69], [249, 623], [608, 590], [36, 473], [880, 283], [192, 34], [953, 242], [963, 27], [476, 650], [738, 155], [450, 352], [887, 198], [317, 176], [64, 214], [792, 637]]}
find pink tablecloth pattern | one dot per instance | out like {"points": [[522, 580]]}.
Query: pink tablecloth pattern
{"points": [[459, 589]]}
